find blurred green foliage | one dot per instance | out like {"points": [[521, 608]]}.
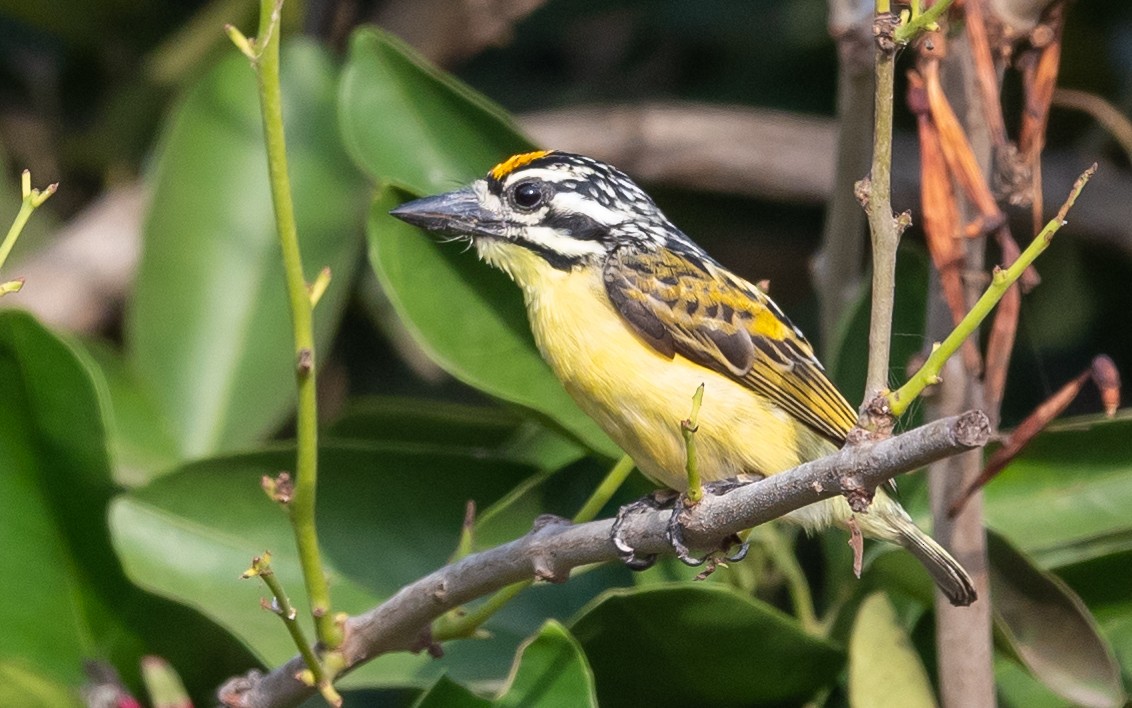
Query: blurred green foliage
{"points": [[129, 466]]}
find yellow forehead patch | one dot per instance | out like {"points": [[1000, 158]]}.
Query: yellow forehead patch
{"points": [[515, 162]]}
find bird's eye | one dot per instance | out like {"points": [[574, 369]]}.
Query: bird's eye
{"points": [[527, 195]]}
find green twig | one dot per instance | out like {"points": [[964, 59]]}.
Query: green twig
{"points": [[920, 21], [264, 55], [688, 428], [899, 400], [32, 200], [787, 563], [463, 624], [605, 491], [281, 605]]}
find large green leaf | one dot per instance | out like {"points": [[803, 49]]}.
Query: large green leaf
{"points": [[700, 644], [406, 122], [388, 514], [550, 670], [1065, 499], [209, 329], [450, 426], [446, 693], [56, 568], [470, 319], [1050, 629], [66, 598], [884, 668], [141, 442], [1105, 585]]}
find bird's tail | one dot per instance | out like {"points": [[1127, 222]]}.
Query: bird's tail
{"points": [[948, 575], [899, 528], [886, 520]]}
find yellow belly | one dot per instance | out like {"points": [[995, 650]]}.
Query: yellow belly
{"points": [[639, 396]]}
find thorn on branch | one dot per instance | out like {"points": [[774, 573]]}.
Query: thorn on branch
{"points": [[280, 488], [12, 286], [304, 362], [861, 190], [318, 288], [884, 30], [857, 543]]}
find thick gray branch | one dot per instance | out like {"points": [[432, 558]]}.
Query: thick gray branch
{"points": [[554, 547]]}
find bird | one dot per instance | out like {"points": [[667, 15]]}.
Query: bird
{"points": [[632, 316]]}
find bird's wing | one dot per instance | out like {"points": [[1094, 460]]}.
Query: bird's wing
{"points": [[687, 305]]}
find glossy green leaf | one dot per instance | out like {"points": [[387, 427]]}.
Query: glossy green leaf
{"points": [[387, 516], [142, 444], [550, 671], [1105, 585], [209, 328], [470, 319], [407, 123], [446, 693], [700, 644], [22, 685], [451, 427], [57, 570], [884, 668], [1065, 499], [67, 599], [1051, 630], [1016, 688]]}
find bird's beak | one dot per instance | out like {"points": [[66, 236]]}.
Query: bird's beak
{"points": [[457, 213]]}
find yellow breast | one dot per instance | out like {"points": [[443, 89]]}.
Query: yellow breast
{"points": [[639, 396]]}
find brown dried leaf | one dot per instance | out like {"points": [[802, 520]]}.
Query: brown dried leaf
{"points": [[1107, 378], [1021, 436], [960, 157]]}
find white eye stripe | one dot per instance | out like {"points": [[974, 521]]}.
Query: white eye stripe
{"points": [[576, 203], [541, 173], [552, 239]]}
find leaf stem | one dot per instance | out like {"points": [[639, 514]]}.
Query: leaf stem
{"points": [[899, 400], [265, 60]]}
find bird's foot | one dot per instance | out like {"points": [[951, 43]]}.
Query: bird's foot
{"points": [[675, 531], [658, 500]]}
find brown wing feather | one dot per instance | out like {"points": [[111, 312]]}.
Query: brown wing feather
{"points": [[684, 305]]}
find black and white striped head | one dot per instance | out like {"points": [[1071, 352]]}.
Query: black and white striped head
{"points": [[568, 209]]}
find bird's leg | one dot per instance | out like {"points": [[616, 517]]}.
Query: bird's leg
{"points": [[675, 531], [657, 501]]}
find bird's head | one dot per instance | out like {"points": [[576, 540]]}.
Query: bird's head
{"points": [[547, 208]]}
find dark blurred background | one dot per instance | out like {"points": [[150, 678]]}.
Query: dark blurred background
{"points": [[84, 87]]}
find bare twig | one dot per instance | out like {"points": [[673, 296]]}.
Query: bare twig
{"points": [[555, 546], [884, 228]]}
